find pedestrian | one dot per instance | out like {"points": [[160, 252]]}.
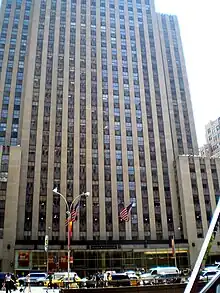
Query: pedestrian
{"points": [[8, 281], [105, 279], [98, 279], [109, 278], [50, 277]]}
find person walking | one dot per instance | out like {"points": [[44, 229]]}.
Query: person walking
{"points": [[109, 278], [8, 282], [50, 277], [105, 280], [98, 279]]}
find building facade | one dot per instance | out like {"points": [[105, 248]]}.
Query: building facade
{"points": [[212, 130], [94, 97], [212, 133], [198, 193], [205, 150]]}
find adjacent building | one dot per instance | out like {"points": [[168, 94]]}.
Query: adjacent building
{"points": [[212, 133], [94, 97], [205, 150], [212, 130], [198, 193]]}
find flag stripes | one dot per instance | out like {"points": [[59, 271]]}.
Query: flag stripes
{"points": [[124, 214], [73, 215]]}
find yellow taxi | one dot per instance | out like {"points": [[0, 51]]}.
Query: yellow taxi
{"points": [[60, 280], [73, 281], [56, 282]]}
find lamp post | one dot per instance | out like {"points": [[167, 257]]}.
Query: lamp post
{"points": [[46, 247], [69, 210]]}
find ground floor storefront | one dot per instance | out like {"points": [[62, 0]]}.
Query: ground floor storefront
{"points": [[86, 262]]}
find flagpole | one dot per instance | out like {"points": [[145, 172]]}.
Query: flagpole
{"points": [[69, 209], [175, 260], [174, 251], [68, 247]]}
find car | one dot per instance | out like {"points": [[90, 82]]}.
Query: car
{"points": [[73, 281], [87, 283], [55, 282], [40, 281], [60, 279], [33, 279], [207, 275], [120, 279], [167, 279], [148, 277], [213, 267], [132, 274]]}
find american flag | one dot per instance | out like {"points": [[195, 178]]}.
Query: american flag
{"points": [[124, 214], [74, 213], [73, 217]]}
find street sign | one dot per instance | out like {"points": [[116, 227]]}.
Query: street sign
{"points": [[46, 243]]}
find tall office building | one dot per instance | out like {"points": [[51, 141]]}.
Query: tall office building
{"points": [[94, 97]]}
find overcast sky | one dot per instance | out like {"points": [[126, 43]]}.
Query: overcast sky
{"points": [[199, 24]]}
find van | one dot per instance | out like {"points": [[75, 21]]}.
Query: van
{"points": [[153, 272]]}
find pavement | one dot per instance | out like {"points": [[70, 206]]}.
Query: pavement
{"points": [[34, 289]]}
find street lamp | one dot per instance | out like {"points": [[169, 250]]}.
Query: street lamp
{"points": [[69, 210], [46, 247]]}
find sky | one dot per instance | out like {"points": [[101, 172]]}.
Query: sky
{"points": [[199, 25]]}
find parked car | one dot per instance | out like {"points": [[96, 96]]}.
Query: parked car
{"points": [[207, 275], [87, 283], [56, 282], [120, 279], [149, 277], [40, 281], [167, 279], [73, 281], [33, 279], [60, 279], [132, 275], [213, 267], [2, 278]]}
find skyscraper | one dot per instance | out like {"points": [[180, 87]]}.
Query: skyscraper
{"points": [[94, 97]]}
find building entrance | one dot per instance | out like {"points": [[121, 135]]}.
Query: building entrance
{"points": [[87, 262]]}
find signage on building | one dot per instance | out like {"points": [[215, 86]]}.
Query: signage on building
{"points": [[64, 259], [107, 246], [46, 243], [22, 259]]}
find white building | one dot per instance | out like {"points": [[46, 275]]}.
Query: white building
{"points": [[212, 132]]}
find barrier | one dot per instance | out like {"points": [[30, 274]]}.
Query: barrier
{"points": [[173, 288]]}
